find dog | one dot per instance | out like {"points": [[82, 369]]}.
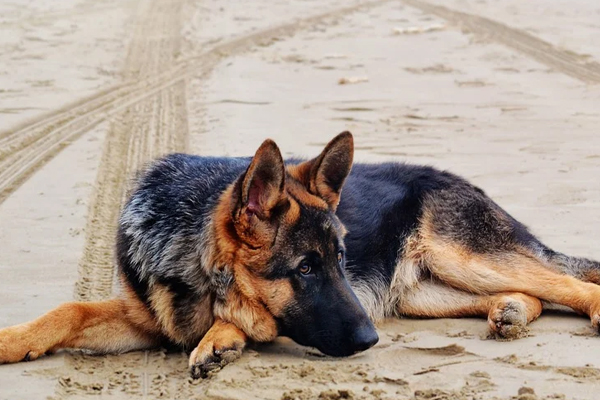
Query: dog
{"points": [[216, 252]]}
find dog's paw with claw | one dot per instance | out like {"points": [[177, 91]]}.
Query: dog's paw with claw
{"points": [[508, 320], [209, 357], [15, 346], [595, 318], [202, 368]]}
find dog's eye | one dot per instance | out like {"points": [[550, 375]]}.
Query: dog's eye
{"points": [[305, 268], [340, 257]]}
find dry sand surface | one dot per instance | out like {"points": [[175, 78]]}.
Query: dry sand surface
{"points": [[505, 93]]}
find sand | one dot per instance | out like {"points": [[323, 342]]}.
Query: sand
{"points": [[504, 93]]}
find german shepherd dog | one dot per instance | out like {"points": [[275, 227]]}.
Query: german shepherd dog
{"points": [[216, 252]]}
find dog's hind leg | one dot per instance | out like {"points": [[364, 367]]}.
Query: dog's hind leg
{"points": [[467, 241], [510, 313], [110, 326], [509, 271], [507, 313]]}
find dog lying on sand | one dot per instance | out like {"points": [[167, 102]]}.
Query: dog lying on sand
{"points": [[214, 252]]}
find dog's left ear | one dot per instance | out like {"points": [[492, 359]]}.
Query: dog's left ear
{"points": [[325, 175]]}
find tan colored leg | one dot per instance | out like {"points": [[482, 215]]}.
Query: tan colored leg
{"points": [[107, 326], [508, 313], [511, 271]]}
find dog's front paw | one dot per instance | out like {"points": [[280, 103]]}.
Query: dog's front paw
{"points": [[15, 346], [203, 364], [222, 344]]}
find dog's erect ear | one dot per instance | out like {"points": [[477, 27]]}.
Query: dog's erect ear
{"points": [[263, 184], [325, 175]]}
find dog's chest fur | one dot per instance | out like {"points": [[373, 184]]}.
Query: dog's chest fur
{"points": [[165, 241]]}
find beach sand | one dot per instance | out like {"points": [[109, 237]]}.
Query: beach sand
{"points": [[506, 94]]}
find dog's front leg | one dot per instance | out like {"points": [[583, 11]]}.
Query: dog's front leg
{"points": [[222, 344]]}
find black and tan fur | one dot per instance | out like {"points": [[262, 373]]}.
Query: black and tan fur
{"points": [[214, 252]]}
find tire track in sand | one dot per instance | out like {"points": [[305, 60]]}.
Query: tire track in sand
{"points": [[564, 61], [27, 147], [156, 125], [150, 127]]}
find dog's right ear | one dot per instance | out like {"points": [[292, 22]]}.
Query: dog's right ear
{"points": [[260, 191]]}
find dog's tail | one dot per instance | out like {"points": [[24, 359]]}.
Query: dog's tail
{"points": [[584, 269], [581, 268]]}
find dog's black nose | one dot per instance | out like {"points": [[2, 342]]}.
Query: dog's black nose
{"points": [[364, 337]]}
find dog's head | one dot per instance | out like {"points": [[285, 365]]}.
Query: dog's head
{"points": [[289, 255]]}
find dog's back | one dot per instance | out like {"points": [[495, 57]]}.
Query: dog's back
{"points": [[394, 212]]}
